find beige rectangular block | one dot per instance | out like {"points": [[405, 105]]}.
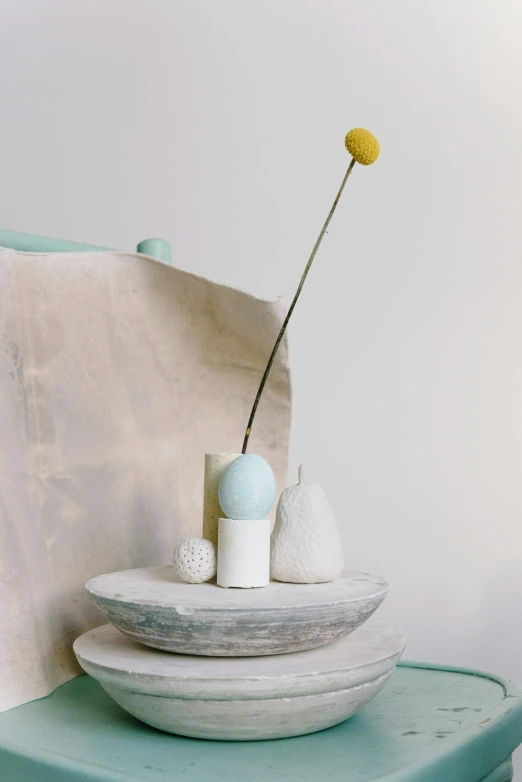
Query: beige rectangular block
{"points": [[215, 466]]}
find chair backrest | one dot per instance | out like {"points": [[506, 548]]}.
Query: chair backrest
{"points": [[156, 248]]}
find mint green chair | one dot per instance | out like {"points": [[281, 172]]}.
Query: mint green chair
{"points": [[428, 724], [157, 248]]}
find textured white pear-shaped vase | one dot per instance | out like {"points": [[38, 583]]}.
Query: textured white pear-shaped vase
{"points": [[305, 546], [215, 466]]}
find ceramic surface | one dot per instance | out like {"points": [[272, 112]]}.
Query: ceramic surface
{"points": [[153, 606], [306, 547], [247, 489], [215, 466], [242, 699], [244, 553], [195, 560]]}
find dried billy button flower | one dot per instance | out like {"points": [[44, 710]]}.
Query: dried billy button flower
{"points": [[364, 149]]}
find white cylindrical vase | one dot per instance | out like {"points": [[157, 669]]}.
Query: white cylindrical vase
{"points": [[243, 553], [215, 466]]}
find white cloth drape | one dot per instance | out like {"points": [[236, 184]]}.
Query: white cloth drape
{"points": [[117, 374]]}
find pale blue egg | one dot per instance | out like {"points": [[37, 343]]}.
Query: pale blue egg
{"points": [[247, 488]]}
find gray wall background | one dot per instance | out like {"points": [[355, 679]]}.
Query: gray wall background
{"points": [[219, 125]]}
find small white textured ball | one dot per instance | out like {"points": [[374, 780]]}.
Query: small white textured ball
{"points": [[195, 560]]}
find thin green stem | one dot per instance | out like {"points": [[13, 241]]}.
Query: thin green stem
{"points": [[291, 309]]}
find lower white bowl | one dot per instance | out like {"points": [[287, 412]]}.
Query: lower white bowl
{"points": [[236, 699]]}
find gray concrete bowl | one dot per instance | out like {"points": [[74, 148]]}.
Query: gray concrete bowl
{"points": [[251, 698], [152, 606]]}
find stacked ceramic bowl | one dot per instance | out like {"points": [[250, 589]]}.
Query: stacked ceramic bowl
{"points": [[211, 663]]}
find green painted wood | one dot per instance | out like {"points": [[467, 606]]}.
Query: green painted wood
{"points": [[156, 248], [427, 725], [504, 773], [42, 244]]}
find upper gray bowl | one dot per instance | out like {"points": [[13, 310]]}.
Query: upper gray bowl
{"points": [[152, 606]]}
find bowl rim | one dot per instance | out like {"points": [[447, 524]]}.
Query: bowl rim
{"points": [[358, 657], [210, 598]]}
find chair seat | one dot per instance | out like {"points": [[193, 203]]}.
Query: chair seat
{"points": [[427, 725]]}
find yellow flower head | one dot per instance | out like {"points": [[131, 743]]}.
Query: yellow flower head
{"points": [[363, 146]]}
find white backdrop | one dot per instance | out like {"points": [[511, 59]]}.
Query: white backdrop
{"points": [[219, 125]]}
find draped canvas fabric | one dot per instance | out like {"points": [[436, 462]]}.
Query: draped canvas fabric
{"points": [[117, 374]]}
